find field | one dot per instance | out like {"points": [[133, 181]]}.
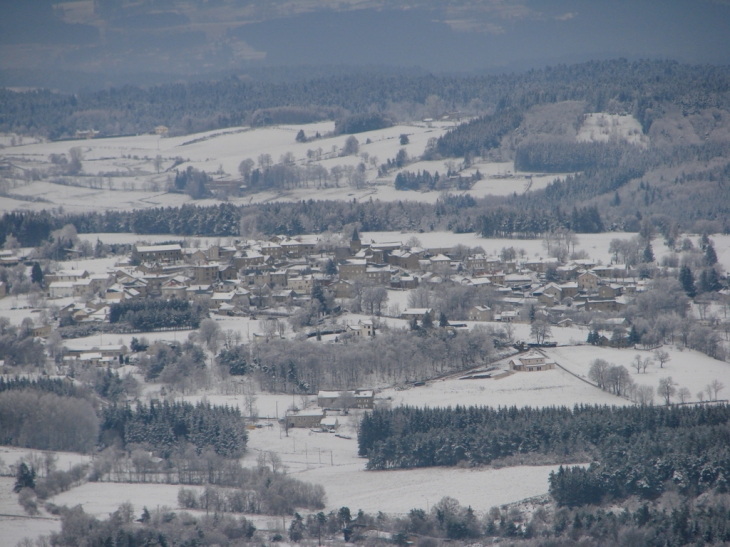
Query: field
{"points": [[119, 173]]}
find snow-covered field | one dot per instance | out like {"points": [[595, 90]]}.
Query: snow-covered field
{"points": [[136, 184], [540, 389], [687, 368]]}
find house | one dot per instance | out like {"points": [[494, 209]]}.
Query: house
{"points": [[359, 398], [157, 253], [363, 328], [380, 275], [66, 275], [341, 288], [610, 291], [553, 290], [403, 259], [41, 331], [205, 274], [588, 281], [531, 362], [330, 423], [480, 313], [353, 268], [417, 313], [61, 289], [305, 418], [403, 281], [603, 305], [507, 316]]}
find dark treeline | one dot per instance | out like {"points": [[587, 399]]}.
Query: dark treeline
{"points": [[454, 213], [639, 87], [406, 180], [565, 157], [48, 385], [503, 222], [151, 314], [164, 427], [639, 449], [479, 135]]}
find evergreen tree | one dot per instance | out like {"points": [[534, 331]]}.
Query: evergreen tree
{"points": [[301, 137], [427, 321], [443, 320], [648, 254], [24, 478], [687, 280], [709, 281], [36, 274], [710, 258]]}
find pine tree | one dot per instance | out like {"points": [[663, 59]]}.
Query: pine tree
{"points": [[687, 280], [710, 256], [648, 254], [443, 320], [709, 281], [427, 321], [25, 478], [36, 274]]}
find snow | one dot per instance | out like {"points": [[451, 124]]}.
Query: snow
{"points": [[538, 389], [10, 455], [601, 127], [102, 498], [137, 185], [687, 368]]}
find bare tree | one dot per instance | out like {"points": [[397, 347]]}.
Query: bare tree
{"points": [[636, 363], [541, 331], [646, 363], [662, 356], [210, 334], [684, 394], [373, 299], [644, 395], [667, 389], [715, 387], [598, 372], [245, 168]]}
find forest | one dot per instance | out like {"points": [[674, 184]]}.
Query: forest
{"points": [[152, 314], [165, 427], [642, 88], [637, 451]]}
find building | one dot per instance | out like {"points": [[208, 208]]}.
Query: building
{"points": [[531, 362], [360, 398], [157, 253], [417, 313], [352, 269], [363, 328], [305, 418], [480, 313]]}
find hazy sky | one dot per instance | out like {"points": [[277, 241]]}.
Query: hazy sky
{"points": [[154, 38]]}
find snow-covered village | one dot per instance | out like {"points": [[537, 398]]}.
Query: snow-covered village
{"points": [[364, 274]]}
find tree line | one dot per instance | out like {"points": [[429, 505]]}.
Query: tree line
{"points": [[164, 427], [637, 450], [641, 87], [152, 314]]}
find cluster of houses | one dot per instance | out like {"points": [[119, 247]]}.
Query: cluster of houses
{"points": [[273, 277], [331, 405]]}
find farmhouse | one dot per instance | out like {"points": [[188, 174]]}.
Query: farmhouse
{"points": [[417, 313], [531, 362], [305, 418]]}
